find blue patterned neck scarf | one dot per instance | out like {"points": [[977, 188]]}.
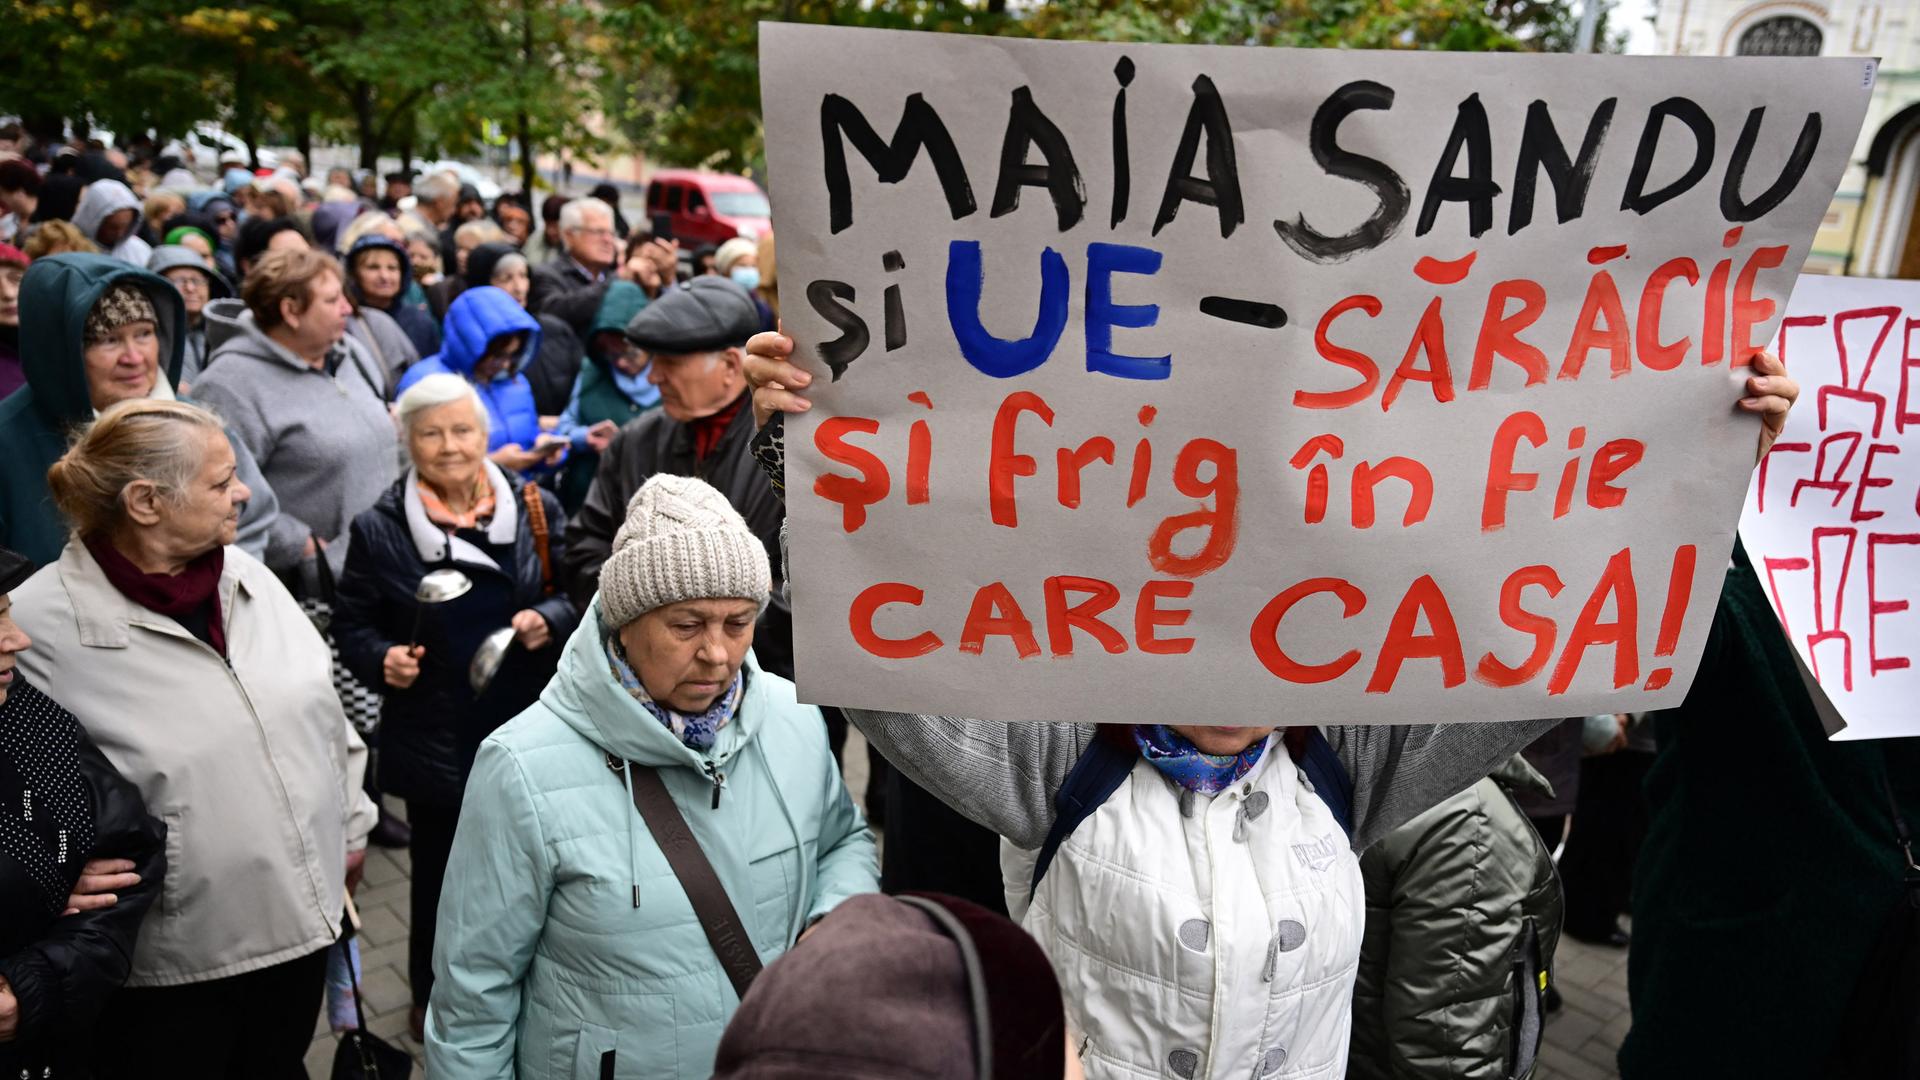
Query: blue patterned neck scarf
{"points": [[697, 731], [1186, 765]]}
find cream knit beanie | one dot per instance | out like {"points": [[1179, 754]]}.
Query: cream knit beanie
{"points": [[682, 540]]}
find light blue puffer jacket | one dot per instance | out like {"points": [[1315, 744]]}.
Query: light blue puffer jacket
{"points": [[543, 964]]}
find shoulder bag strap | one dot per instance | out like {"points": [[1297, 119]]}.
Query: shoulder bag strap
{"points": [[1103, 766], [542, 544], [373, 342], [1329, 778], [709, 898]]}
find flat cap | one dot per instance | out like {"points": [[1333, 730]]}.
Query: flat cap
{"points": [[705, 314]]}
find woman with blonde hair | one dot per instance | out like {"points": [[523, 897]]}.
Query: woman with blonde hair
{"points": [[205, 685]]}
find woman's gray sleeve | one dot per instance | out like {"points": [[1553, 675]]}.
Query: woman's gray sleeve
{"points": [[1001, 775], [1400, 770]]}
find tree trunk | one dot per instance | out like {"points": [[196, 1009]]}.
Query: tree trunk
{"points": [[243, 111], [303, 135], [524, 133], [363, 121], [523, 125]]}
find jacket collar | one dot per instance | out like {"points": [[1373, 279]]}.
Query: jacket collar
{"points": [[105, 617], [585, 695]]}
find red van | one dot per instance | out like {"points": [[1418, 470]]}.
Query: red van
{"points": [[708, 207]]}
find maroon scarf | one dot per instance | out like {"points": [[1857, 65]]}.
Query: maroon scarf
{"points": [[192, 589]]}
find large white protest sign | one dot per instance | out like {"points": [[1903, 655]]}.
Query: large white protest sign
{"points": [[1832, 522], [1233, 385]]}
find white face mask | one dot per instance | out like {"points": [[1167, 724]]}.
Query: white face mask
{"points": [[747, 277]]}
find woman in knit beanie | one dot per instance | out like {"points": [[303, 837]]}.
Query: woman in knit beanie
{"points": [[562, 923]]}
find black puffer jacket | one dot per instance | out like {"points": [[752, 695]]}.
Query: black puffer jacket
{"points": [[556, 366], [430, 730], [657, 443], [62, 968]]}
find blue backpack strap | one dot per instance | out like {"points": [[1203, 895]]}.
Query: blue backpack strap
{"points": [[1328, 777], [1102, 767]]}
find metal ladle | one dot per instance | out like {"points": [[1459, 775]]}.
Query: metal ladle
{"points": [[488, 658], [437, 587]]}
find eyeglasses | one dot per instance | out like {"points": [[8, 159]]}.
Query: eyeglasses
{"points": [[599, 233]]}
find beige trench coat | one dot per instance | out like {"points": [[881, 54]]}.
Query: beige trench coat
{"points": [[249, 760]]}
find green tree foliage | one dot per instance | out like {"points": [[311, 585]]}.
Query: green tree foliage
{"points": [[686, 77], [678, 79]]}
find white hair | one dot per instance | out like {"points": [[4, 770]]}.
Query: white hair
{"points": [[435, 390], [573, 214], [508, 261], [480, 231], [441, 185]]}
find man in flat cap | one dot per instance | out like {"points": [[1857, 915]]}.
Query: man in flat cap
{"points": [[694, 336]]}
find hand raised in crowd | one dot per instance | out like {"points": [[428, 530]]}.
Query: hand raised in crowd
{"points": [[1770, 392], [600, 435], [774, 380], [9, 1012], [402, 665], [530, 629], [100, 882]]}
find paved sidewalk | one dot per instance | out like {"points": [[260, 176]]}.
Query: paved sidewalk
{"points": [[1580, 1041]]}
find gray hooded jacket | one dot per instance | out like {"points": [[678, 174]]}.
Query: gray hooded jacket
{"points": [[104, 197], [326, 442]]}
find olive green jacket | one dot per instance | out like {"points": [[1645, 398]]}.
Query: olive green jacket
{"points": [[1463, 915]]}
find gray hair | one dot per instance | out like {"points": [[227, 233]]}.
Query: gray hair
{"points": [[441, 185], [369, 222], [435, 390], [508, 262], [573, 214], [480, 231]]}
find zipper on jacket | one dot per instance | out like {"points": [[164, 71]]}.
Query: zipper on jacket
{"points": [[718, 778]]}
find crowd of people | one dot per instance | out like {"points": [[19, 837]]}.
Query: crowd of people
{"points": [[336, 514]]}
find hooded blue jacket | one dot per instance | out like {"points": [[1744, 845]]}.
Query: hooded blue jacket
{"points": [[475, 318]]}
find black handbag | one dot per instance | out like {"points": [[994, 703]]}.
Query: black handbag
{"points": [[360, 1054]]}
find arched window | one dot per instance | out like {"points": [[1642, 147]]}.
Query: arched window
{"points": [[1781, 35]]}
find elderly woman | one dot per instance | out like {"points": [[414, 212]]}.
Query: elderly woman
{"points": [[612, 389], [378, 273], [62, 954], [307, 399], [453, 509], [490, 341], [1196, 830], [567, 946], [96, 331], [205, 685]]}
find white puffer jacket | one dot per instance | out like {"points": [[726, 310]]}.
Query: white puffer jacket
{"points": [[1218, 945]]}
